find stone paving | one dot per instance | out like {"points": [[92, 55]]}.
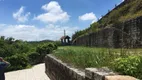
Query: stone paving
{"points": [[37, 72]]}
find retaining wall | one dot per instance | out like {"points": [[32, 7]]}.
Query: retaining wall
{"points": [[127, 35], [57, 70]]}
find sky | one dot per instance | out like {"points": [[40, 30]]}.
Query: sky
{"points": [[35, 20]]}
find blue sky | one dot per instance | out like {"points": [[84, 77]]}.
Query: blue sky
{"points": [[46, 19]]}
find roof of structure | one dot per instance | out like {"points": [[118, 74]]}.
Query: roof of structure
{"points": [[65, 37]]}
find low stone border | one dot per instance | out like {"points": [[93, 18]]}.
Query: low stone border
{"points": [[57, 70]]}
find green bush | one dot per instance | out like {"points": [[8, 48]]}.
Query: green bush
{"points": [[55, 46], [23, 54], [34, 58], [18, 61], [131, 65], [43, 49], [46, 48], [52, 46], [58, 43]]}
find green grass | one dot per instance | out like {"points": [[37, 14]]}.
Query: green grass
{"points": [[84, 57]]}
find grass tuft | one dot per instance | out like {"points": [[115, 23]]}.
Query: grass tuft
{"points": [[119, 60]]}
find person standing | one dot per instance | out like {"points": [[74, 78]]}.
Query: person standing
{"points": [[3, 65]]}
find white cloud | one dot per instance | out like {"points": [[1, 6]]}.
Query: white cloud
{"points": [[31, 32], [93, 21], [20, 16], [88, 16], [2, 26], [54, 13]]}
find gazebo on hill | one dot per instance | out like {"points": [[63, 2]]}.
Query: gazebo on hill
{"points": [[65, 40]]}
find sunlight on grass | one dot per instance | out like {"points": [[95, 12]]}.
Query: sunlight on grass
{"points": [[84, 57]]}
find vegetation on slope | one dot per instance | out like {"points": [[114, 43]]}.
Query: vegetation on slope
{"points": [[127, 62], [22, 54], [130, 10]]}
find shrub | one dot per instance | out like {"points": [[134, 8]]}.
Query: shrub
{"points": [[131, 65], [58, 43], [34, 57], [18, 61], [43, 49], [53, 46], [46, 48]]}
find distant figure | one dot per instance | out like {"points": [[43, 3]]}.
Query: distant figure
{"points": [[3, 65]]}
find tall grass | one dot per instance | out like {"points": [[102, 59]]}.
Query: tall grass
{"points": [[84, 57]]}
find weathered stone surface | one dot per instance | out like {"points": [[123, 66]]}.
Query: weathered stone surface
{"points": [[128, 35], [119, 77], [97, 74], [57, 70]]}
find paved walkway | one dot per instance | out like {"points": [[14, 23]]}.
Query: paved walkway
{"points": [[35, 73]]}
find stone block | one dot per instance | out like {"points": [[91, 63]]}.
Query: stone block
{"points": [[97, 73], [119, 77]]}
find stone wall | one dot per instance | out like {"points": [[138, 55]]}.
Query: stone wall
{"points": [[101, 38], [57, 70], [127, 35]]}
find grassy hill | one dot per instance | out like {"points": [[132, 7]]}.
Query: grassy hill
{"points": [[127, 10]]}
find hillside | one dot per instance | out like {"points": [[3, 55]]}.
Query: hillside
{"points": [[127, 10]]}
